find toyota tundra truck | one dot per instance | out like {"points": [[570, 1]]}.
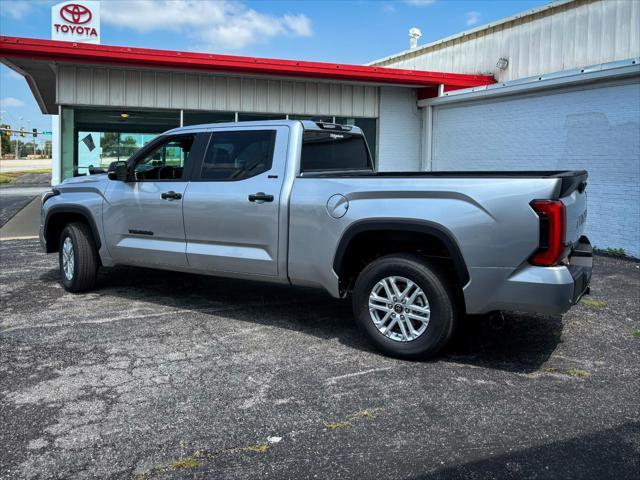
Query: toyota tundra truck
{"points": [[301, 203]]}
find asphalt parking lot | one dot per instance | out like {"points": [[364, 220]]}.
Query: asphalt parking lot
{"points": [[165, 375]]}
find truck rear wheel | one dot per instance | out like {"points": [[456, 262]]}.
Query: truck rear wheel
{"points": [[78, 258], [404, 306]]}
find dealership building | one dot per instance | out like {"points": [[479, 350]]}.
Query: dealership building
{"points": [[557, 87]]}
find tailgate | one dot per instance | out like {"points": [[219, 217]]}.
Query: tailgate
{"points": [[573, 195]]}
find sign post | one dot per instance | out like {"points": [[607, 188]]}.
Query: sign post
{"points": [[71, 21]]}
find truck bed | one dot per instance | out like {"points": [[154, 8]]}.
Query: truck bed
{"points": [[571, 179]]}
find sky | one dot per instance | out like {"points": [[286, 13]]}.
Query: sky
{"points": [[343, 31]]}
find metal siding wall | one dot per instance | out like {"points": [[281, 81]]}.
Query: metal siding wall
{"points": [[147, 89], [66, 86], [132, 92], [192, 92], [177, 90], [103, 86], [575, 35], [399, 130], [219, 88], [163, 90], [100, 87], [287, 98], [84, 87], [116, 87], [594, 127], [274, 96]]}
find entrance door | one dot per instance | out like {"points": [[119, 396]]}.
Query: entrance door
{"points": [[143, 217], [231, 207]]}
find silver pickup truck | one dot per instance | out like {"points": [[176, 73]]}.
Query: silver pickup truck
{"points": [[299, 202]]}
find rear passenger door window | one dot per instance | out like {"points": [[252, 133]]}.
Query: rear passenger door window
{"points": [[238, 155]]}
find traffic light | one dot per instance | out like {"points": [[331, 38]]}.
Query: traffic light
{"points": [[22, 132], [7, 130], [35, 132]]}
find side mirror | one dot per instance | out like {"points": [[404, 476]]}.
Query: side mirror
{"points": [[118, 171]]}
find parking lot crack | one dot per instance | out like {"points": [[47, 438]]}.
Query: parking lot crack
{"points": [[336, 379]]}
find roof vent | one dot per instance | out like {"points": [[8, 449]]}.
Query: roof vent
{"points": [[414, 35], [502, 63]]}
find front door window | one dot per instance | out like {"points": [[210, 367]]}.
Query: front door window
{"points": [[166, 161]]}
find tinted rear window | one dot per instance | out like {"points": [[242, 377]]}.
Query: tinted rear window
{"points": [[334, 151]]}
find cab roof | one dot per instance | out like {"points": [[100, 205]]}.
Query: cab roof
{"points": [[306, 124]]}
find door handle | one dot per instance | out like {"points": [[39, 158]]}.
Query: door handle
{"points": [[171, 195], [260, 197]]}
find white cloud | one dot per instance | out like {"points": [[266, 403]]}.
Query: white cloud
{"points": [[420, 3], [473, 18], [215, 24], [11, 102], [388, 8], [18, 9], [299, 24]]}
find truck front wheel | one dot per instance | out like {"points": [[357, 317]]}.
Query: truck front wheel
{"points": [[404, 306], [78, 258]]}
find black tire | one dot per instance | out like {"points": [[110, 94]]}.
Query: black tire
{"points": [[86, 263], [442, 305]]}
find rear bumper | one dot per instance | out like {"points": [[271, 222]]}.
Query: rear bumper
{"points": [[549, 290], [581, 267]]}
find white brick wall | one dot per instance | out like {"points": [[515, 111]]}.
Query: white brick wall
{"points": [[592, 127], [399, 130]]}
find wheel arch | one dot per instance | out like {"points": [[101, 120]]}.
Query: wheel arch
{"points": [[423, 227], [60, 215]]}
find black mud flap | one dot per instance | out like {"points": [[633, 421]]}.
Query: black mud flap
{"points": [[581, 267]]}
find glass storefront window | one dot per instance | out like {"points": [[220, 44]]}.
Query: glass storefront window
{"points": [[129, 143], [252, 117], [303, 117], [96, 150], [199, 118], [93, 138]]}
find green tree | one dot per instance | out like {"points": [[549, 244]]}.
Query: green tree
{"points": [[128, 146], [7, 146], [109, 143]]}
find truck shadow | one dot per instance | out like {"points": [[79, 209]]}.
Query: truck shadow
{"points": [[523, 344], [607, 453]]}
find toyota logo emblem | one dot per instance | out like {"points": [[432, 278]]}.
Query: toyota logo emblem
{"points": [[74, 13]]}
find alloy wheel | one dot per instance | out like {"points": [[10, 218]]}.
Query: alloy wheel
{"points": [[68, 258], [399, 308]]}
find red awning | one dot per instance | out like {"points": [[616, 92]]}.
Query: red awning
{"points": [[34, 57], [83, 53]]}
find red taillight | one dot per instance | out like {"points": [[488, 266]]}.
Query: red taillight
{"points": [[552, 229]]}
